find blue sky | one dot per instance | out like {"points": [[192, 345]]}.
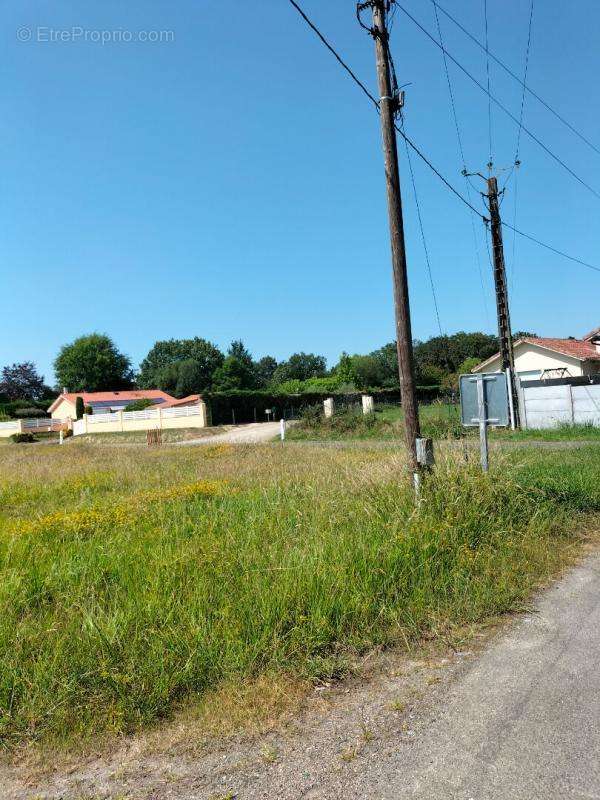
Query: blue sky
{"points": [[228, 184]]}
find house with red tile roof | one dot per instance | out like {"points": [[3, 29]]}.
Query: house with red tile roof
{"points": [[102, 402], [537, 357]]}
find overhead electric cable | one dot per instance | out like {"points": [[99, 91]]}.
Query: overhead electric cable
{"points": [[426, 160], [552, 249], [518, 147], [508, 70], [425, 248], [487, 69], [464, 165], [524, 81], [499, 104], [335, 54]]}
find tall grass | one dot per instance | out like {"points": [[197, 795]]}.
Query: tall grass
{"points": [[438, 420], [131, 582]]}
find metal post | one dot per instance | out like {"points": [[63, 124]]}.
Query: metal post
{"points": [[482, 414], [511, 400]]}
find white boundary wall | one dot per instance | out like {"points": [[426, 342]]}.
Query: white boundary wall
{"points": [[550, 406], [33, 425], [195, 416]]}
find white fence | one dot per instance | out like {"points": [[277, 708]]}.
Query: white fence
{"points": [[33, 425], [195, 416], [552, 405]]}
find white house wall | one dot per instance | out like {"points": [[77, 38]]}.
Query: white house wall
{"points": [[530, 359]]}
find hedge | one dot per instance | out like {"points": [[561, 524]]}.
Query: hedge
{"points": [[250, 406]]}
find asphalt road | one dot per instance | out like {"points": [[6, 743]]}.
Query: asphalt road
{"points": [[525, 721]]}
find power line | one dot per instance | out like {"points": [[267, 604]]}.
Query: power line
{"points": [[487, 69], [499, 104], [450, 91], [439, 174], [524, 81], [517, 150], [335, 54], [426, 160], [375, 102], [462, 156], [526, 88], [425, 248], [552, 249]]}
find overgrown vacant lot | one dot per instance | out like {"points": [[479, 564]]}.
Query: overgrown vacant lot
{"points": [[134, 582], [438, 420]]}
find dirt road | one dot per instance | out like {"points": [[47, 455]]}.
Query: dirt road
{"points": [[253, 433]]}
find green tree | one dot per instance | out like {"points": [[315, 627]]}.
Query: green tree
{"points": [[523, 334], [448, 352], [387, 358], [232, 374], [467, 365], [368, 372], [237, 349], [248, 374], [22, 382], [345, 369], [264, 370], [431, 375], [300, 366], [92, 363], [190, 378], [79, 407], [167, 352]]}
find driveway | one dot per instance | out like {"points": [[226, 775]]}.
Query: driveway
{"points": [[253, 433]]}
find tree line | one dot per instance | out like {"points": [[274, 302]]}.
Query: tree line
{"points": [[194, 366]]}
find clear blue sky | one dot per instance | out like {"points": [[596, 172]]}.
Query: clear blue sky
{"points": [[229, 184]]}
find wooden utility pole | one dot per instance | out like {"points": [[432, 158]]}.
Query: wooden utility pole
{"points": [[388, 105], [504, 330]]}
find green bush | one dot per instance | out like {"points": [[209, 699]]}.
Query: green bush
{"points": [[22, 438]]}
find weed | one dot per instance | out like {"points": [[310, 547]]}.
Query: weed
{"points": [[134, 584]]}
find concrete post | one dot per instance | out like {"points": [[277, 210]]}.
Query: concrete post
{"points": [[20, 428], [85, 422], [328, 407], [160, 418], [205, 413], [121, 420], [368, 404]]}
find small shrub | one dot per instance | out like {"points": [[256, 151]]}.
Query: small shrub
{"points": [[311, 416], [22, 438], [88, 410]]}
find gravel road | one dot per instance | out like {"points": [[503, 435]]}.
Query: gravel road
{"points": [[253, 433]]}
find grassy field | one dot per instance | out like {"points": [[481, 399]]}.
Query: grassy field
{"points": [[135, 582], [438, 420]]}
